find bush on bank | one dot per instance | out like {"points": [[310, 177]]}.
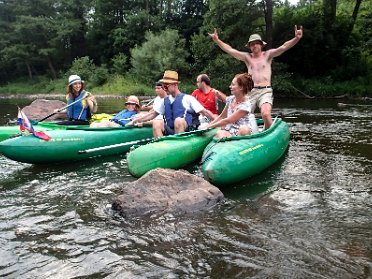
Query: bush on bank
{"points": [[126, 85]]}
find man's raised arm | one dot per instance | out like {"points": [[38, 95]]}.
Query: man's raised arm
{"points": [[288, 44], [240, 55]]}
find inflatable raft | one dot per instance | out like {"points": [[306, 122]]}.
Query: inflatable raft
{"points": [[73, 144], [231, 160], [173, 152]]}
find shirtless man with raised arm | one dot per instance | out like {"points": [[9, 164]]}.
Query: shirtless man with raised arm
{"points": [[258, 63]]}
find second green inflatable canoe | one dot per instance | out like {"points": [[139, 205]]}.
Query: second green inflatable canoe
{"points": [[231, 160], [173, 152], [74, 144]]}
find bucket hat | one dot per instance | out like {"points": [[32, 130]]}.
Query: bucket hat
{"points": [[74, 79], [255, 37], [170, 77], [132, 100]]}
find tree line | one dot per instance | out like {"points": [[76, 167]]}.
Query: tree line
{"points": [[142, 38]]}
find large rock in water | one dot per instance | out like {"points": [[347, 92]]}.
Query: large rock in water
{"points": [[40, 108], [167, 191]]}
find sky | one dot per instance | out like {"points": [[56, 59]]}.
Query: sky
{"points": [[293, 2]]}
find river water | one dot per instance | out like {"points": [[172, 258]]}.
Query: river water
{"points": [[308, 216]]}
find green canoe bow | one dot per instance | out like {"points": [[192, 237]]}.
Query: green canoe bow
{"points": [[173, 152], [231, 160], [68, 145]]}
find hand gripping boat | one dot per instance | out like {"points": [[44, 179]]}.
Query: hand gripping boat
{"points": [[73, 144], [172, 152], [231, 160]]}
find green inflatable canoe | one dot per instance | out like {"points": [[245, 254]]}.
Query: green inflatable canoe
{"points": [[173, 152], [12, 131], [231, 160], [73, 144]]}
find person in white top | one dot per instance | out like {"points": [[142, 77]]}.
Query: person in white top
{"points": [[180, 111], [237, 118], [161, 94]]}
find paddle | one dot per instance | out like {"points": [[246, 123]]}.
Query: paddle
{"points": [[149, 102], [114, 146], [61, 109], [352, 105], [140, 141]]}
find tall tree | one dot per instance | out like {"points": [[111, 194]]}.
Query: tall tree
{"points": [[329, 9], [354, 15], [43, 31], [268, 9], [162, 51]]}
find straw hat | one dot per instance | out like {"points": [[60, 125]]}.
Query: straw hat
{"points": [[170, 77], [74, 79], [133, 100], [255, 37]]}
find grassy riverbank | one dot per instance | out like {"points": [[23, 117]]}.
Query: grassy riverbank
{"points": [[116, 86], [123, 86]]}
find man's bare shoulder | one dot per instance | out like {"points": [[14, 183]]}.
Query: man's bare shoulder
{"points": [[268, 54], [248, 55]]}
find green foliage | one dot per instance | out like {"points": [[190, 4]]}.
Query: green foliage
{"points": [[222, 70], [100, 76], [327, 88], [42, 38], [84, 67], [125, 86], [115, 85], [40, 84], [281, 80], [235, 21], [88, 71], [160, 52], [120, 64], [133, 33], [42, 31]]}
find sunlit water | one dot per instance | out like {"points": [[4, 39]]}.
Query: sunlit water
{"points": [[308, 216]]}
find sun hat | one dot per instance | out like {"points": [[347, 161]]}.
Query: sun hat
{"points": [[255, 37], [170, 77], [132, 100], [74, 79]]}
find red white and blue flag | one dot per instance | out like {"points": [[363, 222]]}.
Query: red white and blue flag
{"points": [[25, 124]]}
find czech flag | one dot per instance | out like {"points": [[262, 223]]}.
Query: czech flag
{"points": [[25, 124]]}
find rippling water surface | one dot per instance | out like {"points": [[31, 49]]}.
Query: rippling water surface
{"points": [[308, 216]]}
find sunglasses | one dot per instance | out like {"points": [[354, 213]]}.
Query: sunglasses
{"points": [[166, 86]]}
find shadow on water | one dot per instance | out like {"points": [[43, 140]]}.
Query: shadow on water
{"points": [[112, 167], [253, 187]]}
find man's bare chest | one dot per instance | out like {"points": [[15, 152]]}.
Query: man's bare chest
{"points": [[258, 64]]}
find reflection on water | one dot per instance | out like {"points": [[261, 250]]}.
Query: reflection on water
{"points": [[308, 216]]}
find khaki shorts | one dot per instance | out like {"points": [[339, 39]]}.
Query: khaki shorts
{"points": [[258, 97]]}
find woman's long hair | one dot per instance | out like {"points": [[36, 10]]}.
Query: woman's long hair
{"points": [[245, 80], [70, 89]]}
